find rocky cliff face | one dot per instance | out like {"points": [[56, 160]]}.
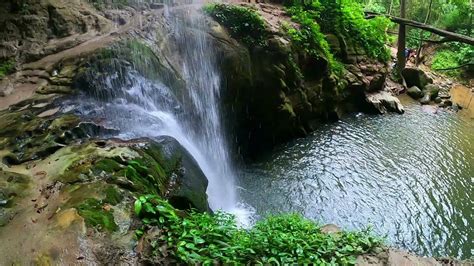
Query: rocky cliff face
{"points": [[277, 91], [30, 30]]}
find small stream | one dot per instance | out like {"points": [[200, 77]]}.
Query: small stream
{"points": [[408, 176]]}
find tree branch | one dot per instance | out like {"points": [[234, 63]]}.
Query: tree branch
{"points": [[453, 68], [448, 34]]}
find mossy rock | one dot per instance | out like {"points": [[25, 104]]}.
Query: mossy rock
{"points": [[96, 215], [416, 77], [29, 137], [101, 74], [162, 167], [13, 186]]}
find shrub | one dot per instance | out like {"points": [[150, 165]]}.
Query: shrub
{"points": [[309, 37], [453, 55], [346, 17], [215, 238], [243, 23]]}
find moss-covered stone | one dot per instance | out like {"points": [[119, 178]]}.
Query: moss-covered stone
{"points": [[112, 195], [96, 215], [108, 165], [98, 75], [13, 186], [244, 23]]}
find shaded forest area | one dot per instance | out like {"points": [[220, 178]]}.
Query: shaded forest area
{"points": [[440, 52]]}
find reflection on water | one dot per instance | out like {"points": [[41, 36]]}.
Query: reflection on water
{"points": [[409, 176]]}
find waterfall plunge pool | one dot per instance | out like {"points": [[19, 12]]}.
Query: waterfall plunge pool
{"points": [[408, 176]]}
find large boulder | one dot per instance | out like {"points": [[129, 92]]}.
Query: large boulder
{"points": [[272, 92], [416, 77], [189, 184], [381, 102]]}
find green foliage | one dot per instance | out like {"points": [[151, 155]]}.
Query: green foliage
{"points": [[376, 7], [370, 34], [413, 37], [94, 215], [6, 67], [453, 55], [346, 17], [143, 177], [215, 238], [243, 23], [456, 16], [309, 38]]}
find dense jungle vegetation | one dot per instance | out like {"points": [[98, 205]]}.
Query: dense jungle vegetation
{"points": [[451, 15]]}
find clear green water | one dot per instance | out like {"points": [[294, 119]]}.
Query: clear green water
{"points": [[409, 176]]}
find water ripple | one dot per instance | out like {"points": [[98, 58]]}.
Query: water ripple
{"points": [[409, 176]]}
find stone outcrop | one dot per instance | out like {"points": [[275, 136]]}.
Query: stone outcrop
{"points": [[384, 102], [58, 177], [30, 30], [277, 92], [76, 191], [416, 77]]}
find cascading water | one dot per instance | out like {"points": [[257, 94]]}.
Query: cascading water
{"points": [[142, 107]]}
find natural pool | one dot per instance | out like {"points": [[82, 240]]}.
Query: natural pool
{"points": [[409, 176]]}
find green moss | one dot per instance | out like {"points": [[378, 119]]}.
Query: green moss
{"points": [[29, 137], [112, 195], [142, 177], [6, 67], [244, 24], [94, 215], [108, 165]]}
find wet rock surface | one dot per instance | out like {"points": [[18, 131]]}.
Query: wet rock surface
{"points": [[416, 77], [86, 189]]}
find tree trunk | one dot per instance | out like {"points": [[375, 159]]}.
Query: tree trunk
{"points": [[420, 45], [471, 7], [390, 8], [401, 59]]}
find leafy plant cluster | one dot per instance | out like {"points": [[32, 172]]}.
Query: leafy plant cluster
{"points": [[215, 238], [453, 56], [346, 18], [6, 67], [244, 23], [309, 37]]}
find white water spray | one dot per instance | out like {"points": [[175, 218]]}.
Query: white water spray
{"points": [[149, 108]]}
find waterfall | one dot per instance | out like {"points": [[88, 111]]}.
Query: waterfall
{"points": [[142, 107], [203, 85]]}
